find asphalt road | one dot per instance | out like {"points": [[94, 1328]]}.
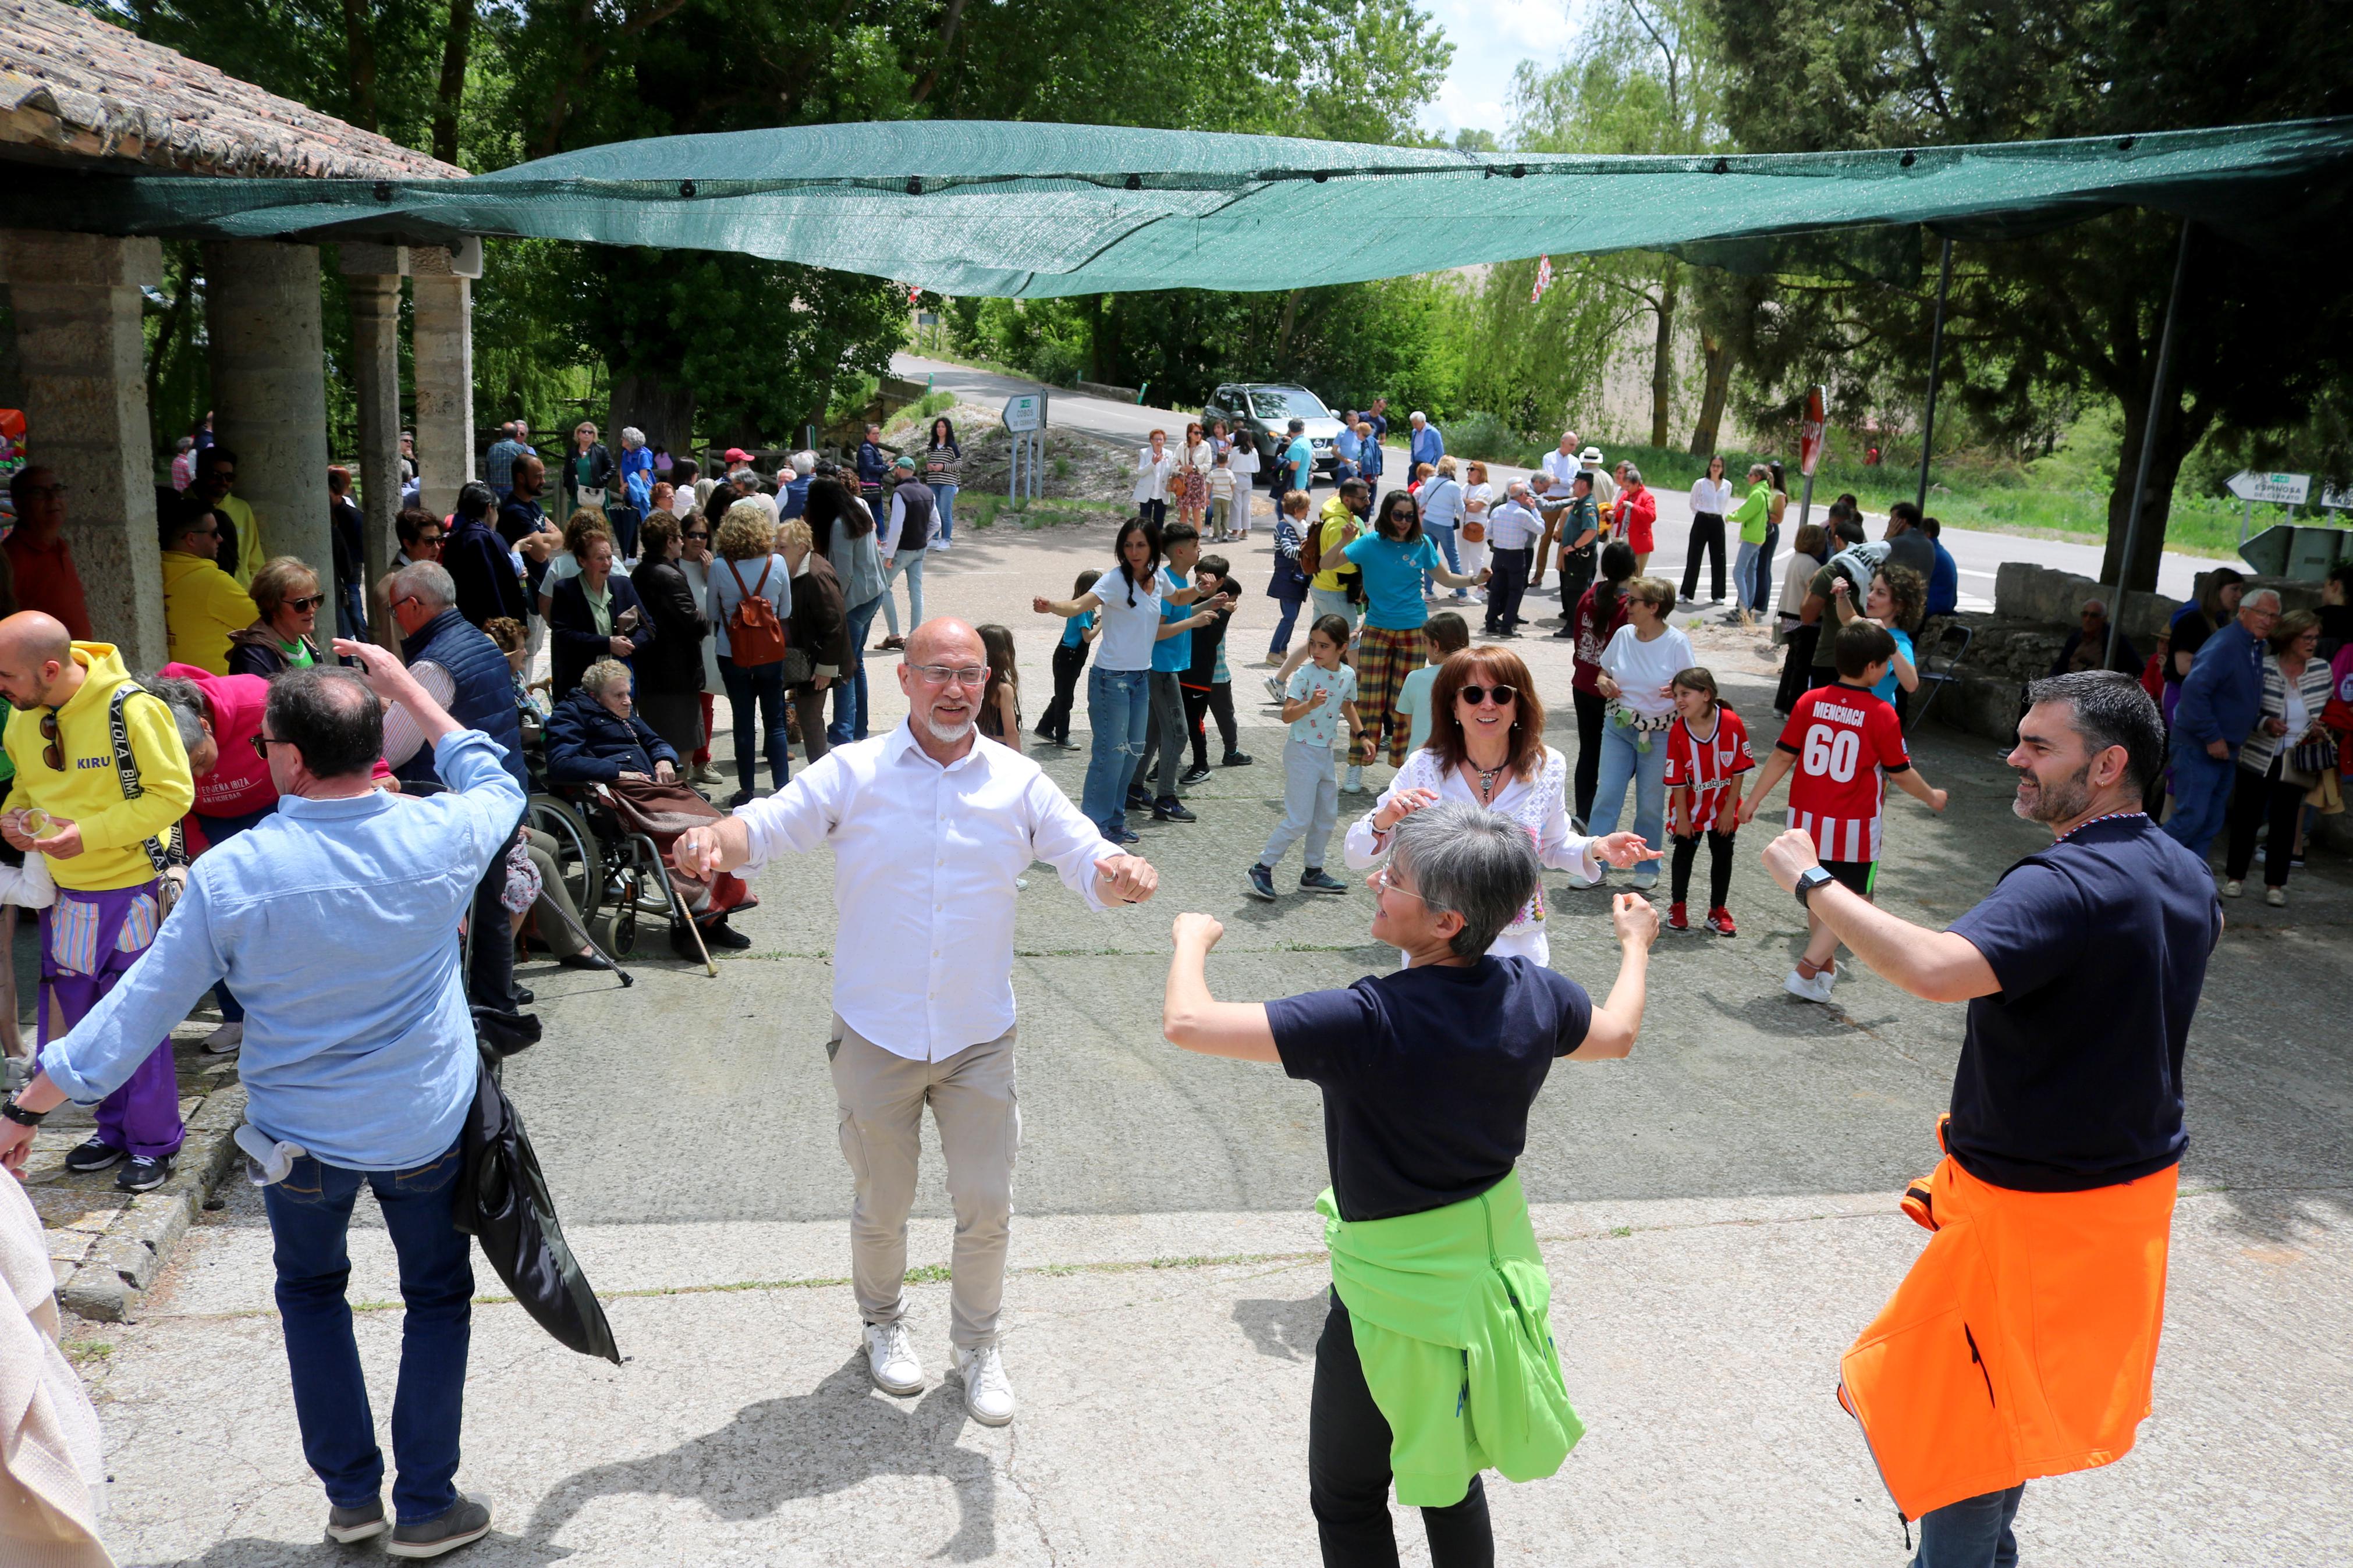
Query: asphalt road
{"points": [[1977, 553]]}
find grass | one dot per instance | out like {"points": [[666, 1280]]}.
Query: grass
{"points": [[984, 511]]}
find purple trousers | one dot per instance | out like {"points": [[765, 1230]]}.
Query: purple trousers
{"points": [[143, 1117]]}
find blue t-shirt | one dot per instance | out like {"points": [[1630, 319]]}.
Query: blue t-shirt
{"points": [[2070, 1074], [1393, 579], [1300, 458], [1885, 689], [1074, 628], [1172, 655], [1943, 582], [1413, 698], [1427, 1074]]}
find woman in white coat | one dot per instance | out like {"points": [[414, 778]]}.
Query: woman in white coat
{"points": [[1486, 747], [1241, 457], [1154, 466]]}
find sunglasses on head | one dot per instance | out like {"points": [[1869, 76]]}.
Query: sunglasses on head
{"points": [[1505, 696]]}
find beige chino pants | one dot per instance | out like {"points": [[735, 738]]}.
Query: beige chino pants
{"points": [[882, 1096]]}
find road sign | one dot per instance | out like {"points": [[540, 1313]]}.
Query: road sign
{"points": [[1026, 412], [1809, 434], [2279, 490]]}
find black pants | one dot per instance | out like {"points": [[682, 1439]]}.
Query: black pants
{"points": [[1592, 717], [2253, 798], [1070, 663], [1796, 665], [1155, 512], [1506, 586], [1215, 701], [1719, 867], [490, 975], [1348, 1471], [1576, 576], [1706, 533]]}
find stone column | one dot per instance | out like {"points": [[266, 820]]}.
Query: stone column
{"points": [[442, 347], [269, 389], [77, 303], [372, 274]]}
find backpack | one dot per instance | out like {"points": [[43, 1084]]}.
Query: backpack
{"points": [[1311, 547], [755, 634]]}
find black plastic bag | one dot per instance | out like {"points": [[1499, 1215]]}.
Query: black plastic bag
{"points": [[503, 1202]]}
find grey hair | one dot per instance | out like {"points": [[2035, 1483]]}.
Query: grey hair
{"points": [[598, 677], [427, 580], [2248, 602], [1633, 474], [2108, 708], [1476, 863], [632, 437], [186, 701]]}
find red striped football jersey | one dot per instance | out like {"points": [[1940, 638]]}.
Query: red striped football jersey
{"points": [[1842, 736]]}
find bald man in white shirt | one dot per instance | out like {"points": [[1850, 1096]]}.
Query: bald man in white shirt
{"points": [[930, 826]]}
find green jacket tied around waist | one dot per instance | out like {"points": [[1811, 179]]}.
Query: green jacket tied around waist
{"points": [[1450, 1308]]}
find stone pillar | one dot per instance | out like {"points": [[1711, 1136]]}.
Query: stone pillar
{"points": [[372, 274], [269, 390], [77, 303], [443, 353]]}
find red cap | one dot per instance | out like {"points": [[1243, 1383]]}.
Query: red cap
{"points": [[737, 455]]}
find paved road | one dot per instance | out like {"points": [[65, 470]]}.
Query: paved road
{"points": [[1977, 553]]}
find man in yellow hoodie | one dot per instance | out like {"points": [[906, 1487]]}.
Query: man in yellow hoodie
{"points": [[216, 478], [203, 606], [100, 824]]}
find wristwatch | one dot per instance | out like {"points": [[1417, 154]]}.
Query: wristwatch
{"points": [[20, 1116], [1810, 878]]}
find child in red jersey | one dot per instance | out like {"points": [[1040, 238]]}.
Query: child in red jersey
{"points": [[1708, 750], [1842, 739]]}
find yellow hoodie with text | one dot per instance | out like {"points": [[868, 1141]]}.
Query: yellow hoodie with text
{"points": [[203, 608], [88, 791]]}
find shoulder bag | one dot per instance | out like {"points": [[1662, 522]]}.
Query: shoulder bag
{"points": [[169, 857]]}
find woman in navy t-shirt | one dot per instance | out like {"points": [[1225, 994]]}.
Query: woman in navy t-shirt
{"points": [[1427, 1074]]}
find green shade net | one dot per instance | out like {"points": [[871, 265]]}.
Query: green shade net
{"points": [[977, 207]]}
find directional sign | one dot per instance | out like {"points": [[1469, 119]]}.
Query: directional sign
{"points": [[1026, 412], [2279, 490]]}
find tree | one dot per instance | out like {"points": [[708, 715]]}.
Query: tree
{"points": [[1643, 79], [2262, 333]]}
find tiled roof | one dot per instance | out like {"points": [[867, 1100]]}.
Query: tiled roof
{"points": [[74, 84]]}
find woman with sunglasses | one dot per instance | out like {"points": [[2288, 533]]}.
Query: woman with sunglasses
{"points": [[1486, 748], [1435, 1362], [287, 594]]}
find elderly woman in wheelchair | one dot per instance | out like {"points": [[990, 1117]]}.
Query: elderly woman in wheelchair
{"points": [[608, 760]]}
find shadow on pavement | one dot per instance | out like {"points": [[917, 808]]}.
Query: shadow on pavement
{"points": [[780, 1450]]}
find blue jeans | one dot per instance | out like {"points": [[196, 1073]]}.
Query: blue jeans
{"points": [[217, 831], [309, 1212], [2202, 796], [352, 605], [1760, 588], [1442, 535], [1281, 644], [909, 563], [1622, 764], [1971, 1534], [1119, 711], [850, 711], [945, 496], [1744, 575], [763, 684]]}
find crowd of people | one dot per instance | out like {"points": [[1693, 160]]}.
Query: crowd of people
{"points": [[211, 826]]}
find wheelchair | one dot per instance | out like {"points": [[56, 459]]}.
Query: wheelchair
{"points": [[615, 877]]}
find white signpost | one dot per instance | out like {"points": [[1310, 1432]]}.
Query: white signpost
{"points": [[2290, 490], [1025, 419]]}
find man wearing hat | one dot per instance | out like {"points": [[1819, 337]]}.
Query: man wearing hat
{"points": [[1605, 487], [905, 537]]}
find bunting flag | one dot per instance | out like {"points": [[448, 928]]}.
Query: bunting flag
{"points": [[1544, 279]]}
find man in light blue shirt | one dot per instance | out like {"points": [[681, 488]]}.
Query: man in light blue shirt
{"points": [[1348, 448], [1427, 446], [1299, 460], [335, 921]]}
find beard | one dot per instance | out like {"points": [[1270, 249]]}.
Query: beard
{"points": [[948, 734], [2053, 802]]}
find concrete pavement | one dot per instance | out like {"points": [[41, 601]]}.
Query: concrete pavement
{"points": [[1719, 1212]]}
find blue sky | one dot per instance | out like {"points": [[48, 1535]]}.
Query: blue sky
{"points": [[1490, 39]]}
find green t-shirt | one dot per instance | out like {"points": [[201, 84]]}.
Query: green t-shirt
{"points": [[297, 653]]}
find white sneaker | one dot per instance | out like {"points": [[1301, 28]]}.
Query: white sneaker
{"points": [[2234, 889], [225, 1041], [2275, 897], [1817, 989], [891, 1359], [1355, 784], [987, 1397], [1274, 688]]}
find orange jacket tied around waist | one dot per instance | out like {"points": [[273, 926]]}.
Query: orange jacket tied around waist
{"points": [[2022, 1343]]}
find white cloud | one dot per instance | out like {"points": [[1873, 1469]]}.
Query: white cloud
{"points": [[1490, 37]]}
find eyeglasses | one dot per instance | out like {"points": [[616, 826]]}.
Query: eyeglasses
{"points": [[52, 753], [1505, 696], [941, 674], [227, 476], [305, 605], [1385, 882], [697, 534], [262, 744], [212, 531]]}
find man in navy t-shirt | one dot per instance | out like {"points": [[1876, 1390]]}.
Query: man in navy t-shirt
{"points": [[2082, 970]]}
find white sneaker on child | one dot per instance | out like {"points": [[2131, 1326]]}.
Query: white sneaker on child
{"points": [[1817, 989]]}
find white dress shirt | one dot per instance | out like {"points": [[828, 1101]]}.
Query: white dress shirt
{"points": [[1712, 496], [1561, 468], [924, 862]]}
